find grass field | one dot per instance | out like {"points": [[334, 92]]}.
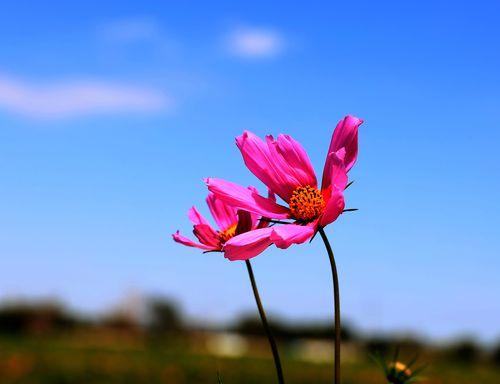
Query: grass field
{"points": [[103, 359]]}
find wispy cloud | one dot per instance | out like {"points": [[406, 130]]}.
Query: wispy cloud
{"points": [[131, 30], [255, 42], [76, 98]]}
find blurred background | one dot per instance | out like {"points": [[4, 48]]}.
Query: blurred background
{"points": [[111, 113]]}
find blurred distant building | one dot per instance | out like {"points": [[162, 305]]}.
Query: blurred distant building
{"points": [[226, 344], [321, 351]]}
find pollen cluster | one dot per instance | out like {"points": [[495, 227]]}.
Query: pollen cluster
{"points": [[228, 233], [306, 203]]}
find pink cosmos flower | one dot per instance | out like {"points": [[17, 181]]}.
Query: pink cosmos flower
{"points": [[284, 167], [232, 223]]}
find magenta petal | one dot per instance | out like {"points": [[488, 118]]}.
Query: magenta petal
{"points": [[333, 208], [256, 222], [248, 244], [265, 165], [287, 177], [245, 222], [263, 222], [247, 199], [297, 160], [223, 214], [271, 195], [207, 235], [196, 217], [178, 238], [344, 136], [337, 178], [285, 235]]}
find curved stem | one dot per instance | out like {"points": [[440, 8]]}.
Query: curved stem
{"points": [[336, 295], [263, 318]]}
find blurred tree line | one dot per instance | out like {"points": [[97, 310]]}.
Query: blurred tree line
{"points": [[252, 326], [20, 318], [161, 318]]}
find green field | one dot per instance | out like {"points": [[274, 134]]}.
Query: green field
{"points": [[109, 359]]}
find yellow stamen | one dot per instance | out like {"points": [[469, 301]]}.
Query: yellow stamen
{"points": [[228, 233], [400, 367], [306, 203]]}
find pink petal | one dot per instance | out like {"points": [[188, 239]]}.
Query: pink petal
{"points": [[297, 160], [248, 244], [196, 217], [245, 222], [271, 195], [207, 235], [345, 136], [285, 235], [246, 199], [266, 165], [337, 178], [178, 238], [256, 222], [223, 214], [286, 175], [333, 208], [260, 223]]}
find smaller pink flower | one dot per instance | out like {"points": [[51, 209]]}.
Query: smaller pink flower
{"points": [[241, 235]]}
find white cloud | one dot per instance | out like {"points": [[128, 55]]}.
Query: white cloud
{"points": [[131, 30], [76, 98], [255, 43]]}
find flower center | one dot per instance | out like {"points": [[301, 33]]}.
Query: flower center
{"points": [[400, 374], [306, 203], [228, 233], [402, 368]]}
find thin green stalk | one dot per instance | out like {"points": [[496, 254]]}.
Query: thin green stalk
{"points": [[262, 313], [336, 303]]}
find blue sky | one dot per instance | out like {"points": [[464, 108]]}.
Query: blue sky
{"points": [[111, 114]]}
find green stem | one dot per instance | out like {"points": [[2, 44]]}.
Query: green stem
{"points": [[262, 313], [336, 296]]}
